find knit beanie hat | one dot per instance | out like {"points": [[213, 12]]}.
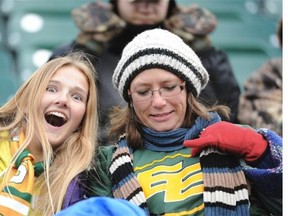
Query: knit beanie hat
{"points": [[158, 48]]}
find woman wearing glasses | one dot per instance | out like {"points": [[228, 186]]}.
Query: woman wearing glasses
{"points": [[156, 162]]}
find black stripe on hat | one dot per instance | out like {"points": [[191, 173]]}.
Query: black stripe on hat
{"points": [[160, 51], [163, 52]]}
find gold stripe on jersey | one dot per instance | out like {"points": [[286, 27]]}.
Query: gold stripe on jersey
{"points": [[190, 212], [161, 160]]}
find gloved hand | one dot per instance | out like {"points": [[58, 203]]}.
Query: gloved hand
{"points": [[231, 138], [96, 19]]}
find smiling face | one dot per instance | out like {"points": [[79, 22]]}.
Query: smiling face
{"points": [[145, 12], [64, 104], [159, 113]]}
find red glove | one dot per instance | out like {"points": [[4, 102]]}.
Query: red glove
{"points": [[231, 138]]}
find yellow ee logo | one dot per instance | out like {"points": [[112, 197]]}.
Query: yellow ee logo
{"points": [[176, 182]]}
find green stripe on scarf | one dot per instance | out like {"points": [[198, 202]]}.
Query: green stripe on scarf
{"points": [[15, 192]]}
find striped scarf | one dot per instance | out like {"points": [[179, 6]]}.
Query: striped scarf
{"points": [[225, 186], [16, 195]]}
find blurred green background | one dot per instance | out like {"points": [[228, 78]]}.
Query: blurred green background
{"points": [[30, 29]]}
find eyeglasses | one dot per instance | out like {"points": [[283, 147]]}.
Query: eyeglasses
{"points": [[167, 91]]}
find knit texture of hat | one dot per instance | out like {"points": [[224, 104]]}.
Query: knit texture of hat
{"points": [[158, 48]]}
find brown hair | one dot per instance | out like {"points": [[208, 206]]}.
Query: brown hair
{"points": [[124, 120]]}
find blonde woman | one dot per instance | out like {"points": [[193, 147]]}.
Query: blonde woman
{"points": [[47, 138]]}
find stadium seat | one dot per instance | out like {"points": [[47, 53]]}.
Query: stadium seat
{"points": [[2, 32], [53, 31], [248, 45], [8, 80], [245, 35], [36, 27]]}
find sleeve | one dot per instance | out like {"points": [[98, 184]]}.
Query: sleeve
{"points": [[73, 46], [97, 18], [223, 83], [260, 104], [99, 179], [74, 193], [266, 174], [61, 50]]}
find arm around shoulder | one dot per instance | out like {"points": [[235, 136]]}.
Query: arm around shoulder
{"points": [[99, 180], [266, 174], [269, 167]]}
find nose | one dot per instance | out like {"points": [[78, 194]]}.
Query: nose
{"points": [[157, 99], [62, 99], [145, 6]]}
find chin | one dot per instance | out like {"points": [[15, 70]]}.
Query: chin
{"points": [[55, 142], [163, 129]]}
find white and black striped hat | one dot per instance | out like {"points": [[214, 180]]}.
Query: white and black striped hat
{"points": [[158, 48]]}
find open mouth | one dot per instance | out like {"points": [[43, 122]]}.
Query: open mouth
{"points": [[55, 119]]}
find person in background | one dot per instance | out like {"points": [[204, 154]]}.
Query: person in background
{"points": [[260, 104], [106, 28], [174, 155], [48, 138]]}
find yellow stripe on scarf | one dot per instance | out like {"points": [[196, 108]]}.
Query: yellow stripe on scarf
{"points": [[16, 195]]}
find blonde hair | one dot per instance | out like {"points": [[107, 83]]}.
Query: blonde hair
{"points": [[76, 154], [124, 120]]}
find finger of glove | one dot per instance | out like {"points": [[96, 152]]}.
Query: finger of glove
{"points": [[195, 151], [201, 142]]}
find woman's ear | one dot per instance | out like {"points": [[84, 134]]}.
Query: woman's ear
{"points": [[130, 99]]}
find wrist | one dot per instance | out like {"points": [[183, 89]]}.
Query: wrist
{"points": [[259, 146], [265, 156]]}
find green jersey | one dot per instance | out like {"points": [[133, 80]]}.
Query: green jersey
{"points": [[171, 181]]}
